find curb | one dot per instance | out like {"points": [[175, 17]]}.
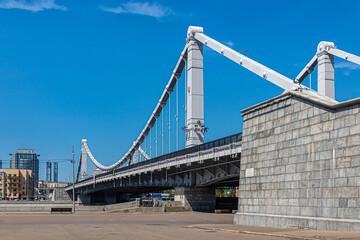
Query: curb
{"points": [[252, 233]]}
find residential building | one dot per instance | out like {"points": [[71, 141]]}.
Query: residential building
{"points": [[26, 159], [16, 184]]}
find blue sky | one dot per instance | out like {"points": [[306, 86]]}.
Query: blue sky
{"points": [[96, 69]]}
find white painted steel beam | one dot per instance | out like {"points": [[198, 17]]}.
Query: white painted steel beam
{"points": [[344, 55], [253, 66], [307, 70], [270, 75], [144, 154]]}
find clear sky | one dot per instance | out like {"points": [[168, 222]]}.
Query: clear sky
{"points": [[96, 69]]}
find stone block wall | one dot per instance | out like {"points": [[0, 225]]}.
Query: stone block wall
{"points": [[300, 164], [196, 198]]}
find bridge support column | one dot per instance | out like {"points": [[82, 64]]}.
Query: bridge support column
{"points": [[135, 157], [110, 197], [326, 78], [83, 160], [195, 92], [196, 198], [84, 199]]}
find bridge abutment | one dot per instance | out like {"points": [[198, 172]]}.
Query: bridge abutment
{"points": [[300, 164], [196, 198]]}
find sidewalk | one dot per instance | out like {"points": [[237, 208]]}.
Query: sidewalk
{"points": [[289, 233]]}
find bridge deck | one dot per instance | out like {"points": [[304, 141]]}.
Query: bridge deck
{"points": [[226, 146]]}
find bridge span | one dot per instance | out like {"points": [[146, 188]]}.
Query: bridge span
{"points": [[205, 166]]}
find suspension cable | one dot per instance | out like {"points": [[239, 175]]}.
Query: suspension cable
{"points": [[156, 138], [145, 147], [185, 106], [177, 116], [169, 122], [150, 142], [162, 133]]}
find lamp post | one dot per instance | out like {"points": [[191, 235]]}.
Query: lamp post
{"points": [[73, 177]]}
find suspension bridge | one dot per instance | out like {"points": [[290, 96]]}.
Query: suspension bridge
{"points": [[267, 161]]}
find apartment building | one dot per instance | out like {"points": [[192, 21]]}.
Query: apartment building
{"points": [[16, 184]]}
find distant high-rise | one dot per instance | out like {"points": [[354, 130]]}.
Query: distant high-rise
{"points": [[26, 159], [56, 172], [48, 171], [0, 164]]}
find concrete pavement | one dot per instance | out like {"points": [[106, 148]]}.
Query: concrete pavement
{"points": [[102, 225], [287, 233]]}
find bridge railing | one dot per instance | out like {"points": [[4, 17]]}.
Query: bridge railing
{"points": [[209, 145]]}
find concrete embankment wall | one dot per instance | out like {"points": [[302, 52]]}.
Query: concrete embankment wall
{"points": [[300, 164], [46, 206], [31, 206], [119, 207]]}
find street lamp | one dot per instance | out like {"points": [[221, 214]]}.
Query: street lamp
{"points": [[73, 177]]}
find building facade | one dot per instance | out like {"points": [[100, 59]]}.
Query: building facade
{"points": [[56, 172], [48, 171], [16, 184], [26, 159]]}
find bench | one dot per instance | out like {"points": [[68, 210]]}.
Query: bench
{"points": [[61, 209]]}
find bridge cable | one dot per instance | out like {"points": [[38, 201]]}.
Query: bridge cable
{"points": [[185, 106], [156, 138], [169, 122], [150, 142], [145, 147], [162, 133], [177, 116]]}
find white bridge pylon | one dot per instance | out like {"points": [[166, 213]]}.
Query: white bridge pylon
{"points": [[193, 56]]}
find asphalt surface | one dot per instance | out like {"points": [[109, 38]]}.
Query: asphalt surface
{"points": [[115, 226]]}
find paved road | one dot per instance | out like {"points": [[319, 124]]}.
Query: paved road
{"points": [[115, 226]]}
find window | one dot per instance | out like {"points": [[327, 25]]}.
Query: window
{"points": [[9, 175], [14, 194]]}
